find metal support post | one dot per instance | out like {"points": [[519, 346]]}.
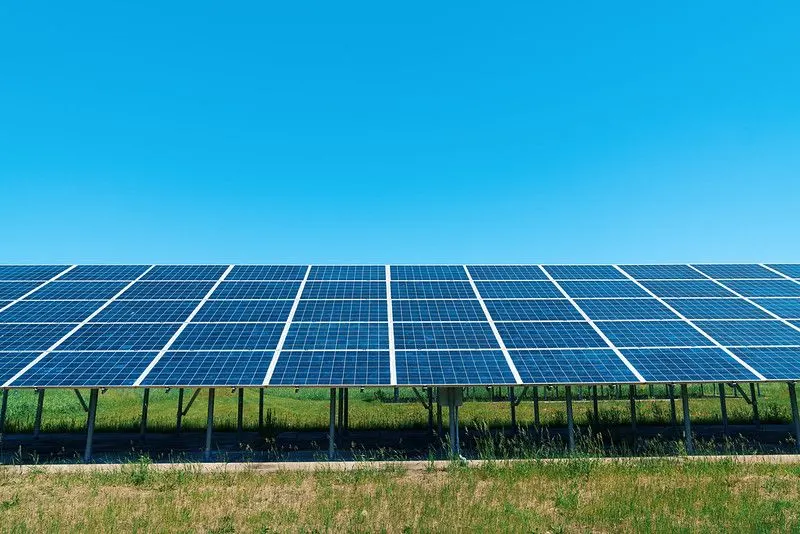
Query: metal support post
{"points": [[209, 424], [430, 412], [87, 454], [3, 408], [536, 407], [687, 422], [795, 417], [37, 423], [260, 409], [240, 413], [570, 422], [143, 423], [396, 394], [756, 418], [632, 395], [346, 411], [340, 419], [512, 401], [595, 408], [672, 412], [179, 415], [723, 408], [439, 412], [332, 426]]}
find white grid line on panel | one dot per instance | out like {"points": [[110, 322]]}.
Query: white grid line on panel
{"points": [[390, 320], [690, 323], [511, 365], [80, 325], [37, 288], [181, 328], [596, 328], [785, 277], [274, 362]]}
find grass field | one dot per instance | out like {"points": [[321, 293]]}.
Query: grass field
{"points": [[578, 495]]}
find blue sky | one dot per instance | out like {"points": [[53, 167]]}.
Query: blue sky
{"points": [[416, 132]]}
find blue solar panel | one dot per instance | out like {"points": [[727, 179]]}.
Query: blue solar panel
{"points": [[347, 272], [14, 290], [792, 270], [209, 336], [662, 272], [210, 368], [518, 290], [332, 368], [786, 308], [771, 332], [587, 366], [621, 289], [337, 336], [506, 272], [688, 365], [428, 272], [549, 335], [774, 363], [764, 288], [105, 272], [532, 310], [622, 309], [38, 273], [78, 291], [12, 362], [86, 369], [64, 311], [452, 367], [146, 311], [717, 309], [27, 337], [341, 310], [120, 337], [268, 272], [256, 290], [653, 334], [740, 270], [245, 311], [444, 336], [167, 290], [209, 273], [687, 288], [432, 290], [345, 290], [437, 310], [584, 272]]}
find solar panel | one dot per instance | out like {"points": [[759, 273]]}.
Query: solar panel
{"points": [[688, 365], [533, 310], [347, 272], [128, 336], [624, 309], [764, 288], [210, 368], [774, 363], [268, 272], [662, 272], [14, 290], [120, 273], [12, 362], [432, 290], [186, 272], [653, 334], [256, 290], [437, 310], [211, 336], [740, 270], [588, 366], [792, 270], [444, 336], [452, 367], [428, 272], [550, 335], [86, 369], [620, 289], [345, 290], [518, 290], [717, 309], [37, 273], [144, 311], [785, 308], [750, 332], [506, 272], [59, 290], [244, 311], [167, 290], [341, 311], [584, 272], [688, 288], [45, 311], [332, 368], [337, 336], [31, 337]]}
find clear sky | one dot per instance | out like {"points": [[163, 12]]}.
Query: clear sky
{"points": [[411, 132]]}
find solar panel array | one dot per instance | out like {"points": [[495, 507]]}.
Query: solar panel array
{"points": [[371, 325]]}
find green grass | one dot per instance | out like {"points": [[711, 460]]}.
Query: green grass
{"points": [[574, 496]]}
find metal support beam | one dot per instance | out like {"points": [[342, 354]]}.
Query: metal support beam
{"points": [[795, 416], [260, 409], [3, 408], [672, 412], [687, 421], [145, 404], [209, 424], [632, 396], [37, 423], [340, 419], [570, 422], [179, 415], [430, 412], [756, 418], [595, 407], [439, 412], [536, 407], [332, 426], [512, 401], [80, 399], [346, 411], [240, 413], [454, 397], [723, 408], [87, 454]]}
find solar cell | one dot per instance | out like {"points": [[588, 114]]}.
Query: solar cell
{"points": [[78, 291], [341, 310], [764, 288], [750, 332], [532, 310], [31, 337], [86, 369], [506, 272], [210, 368], [518, 290], [268, 272], [624, 309], [146, 311], [337, 336], [452, 367], [774, 363], [44, 311], [256, 290], [210, 336], [550, 335], [688, 365], [584, 272], [167, 290], [128, 336], [717, 309], [785, 308], [688, 288], [437, 310], [105, 272], [209, 273], [332, 368], [428, 272], [14, 290], [736, 270], [587, 366], [347, 272], [246, 311], [344, 290], [792, 270], [432, 290], [653, 334], [444, 336], [662, 272], [12, 362], [37, 273], [620, 289]]}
